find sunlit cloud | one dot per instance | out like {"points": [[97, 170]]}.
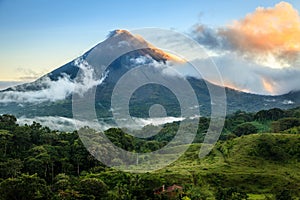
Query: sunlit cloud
{"points": [[259, 53], [268, 85], [268, 34]]}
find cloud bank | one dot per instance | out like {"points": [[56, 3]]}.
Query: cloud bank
{"points": [[69, 124], [259, 53], [268, 31], [55, 90]]}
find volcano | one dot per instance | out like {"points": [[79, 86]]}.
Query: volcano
{"points": [[51, 95]]}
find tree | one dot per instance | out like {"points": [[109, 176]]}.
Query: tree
{"points": [[269, 148], [196, 192], [245, 129], [62, 182], [22, 138], [275, 114], [93, 187], [272, 114], [37, 131], [5, 141], [24, 187], [285, 123], [241, 117], [10, 168], [42, 160], [283, 195], [80, 155], [8, 122], [150, 146], [230, 194]]}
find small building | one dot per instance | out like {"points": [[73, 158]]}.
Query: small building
{"points": [[171, 191]]}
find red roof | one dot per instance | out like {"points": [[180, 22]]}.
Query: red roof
{"points": [[174, 187]]}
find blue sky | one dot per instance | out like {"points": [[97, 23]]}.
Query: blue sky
{"points": [[37, 36]]}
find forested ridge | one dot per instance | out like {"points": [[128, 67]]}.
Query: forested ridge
{"points": [[257, 157]]}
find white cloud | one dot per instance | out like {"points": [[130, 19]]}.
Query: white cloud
{"points": [[246, 75], [141, 122], [55, 90], [288, 102], [69, 124], [62, 123], [250, 76], [168, 68], [242, 72]]}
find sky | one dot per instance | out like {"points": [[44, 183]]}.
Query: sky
{"points": [[37, 36]]}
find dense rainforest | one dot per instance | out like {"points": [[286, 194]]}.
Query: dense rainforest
{"points": [[256, 157]]}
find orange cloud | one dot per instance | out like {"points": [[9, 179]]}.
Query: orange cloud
{"points": [[268, 86], [267, 32], [137, 38]]}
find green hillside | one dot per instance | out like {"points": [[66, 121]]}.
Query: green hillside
{"points": [[250, 161], [260, 165]]}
